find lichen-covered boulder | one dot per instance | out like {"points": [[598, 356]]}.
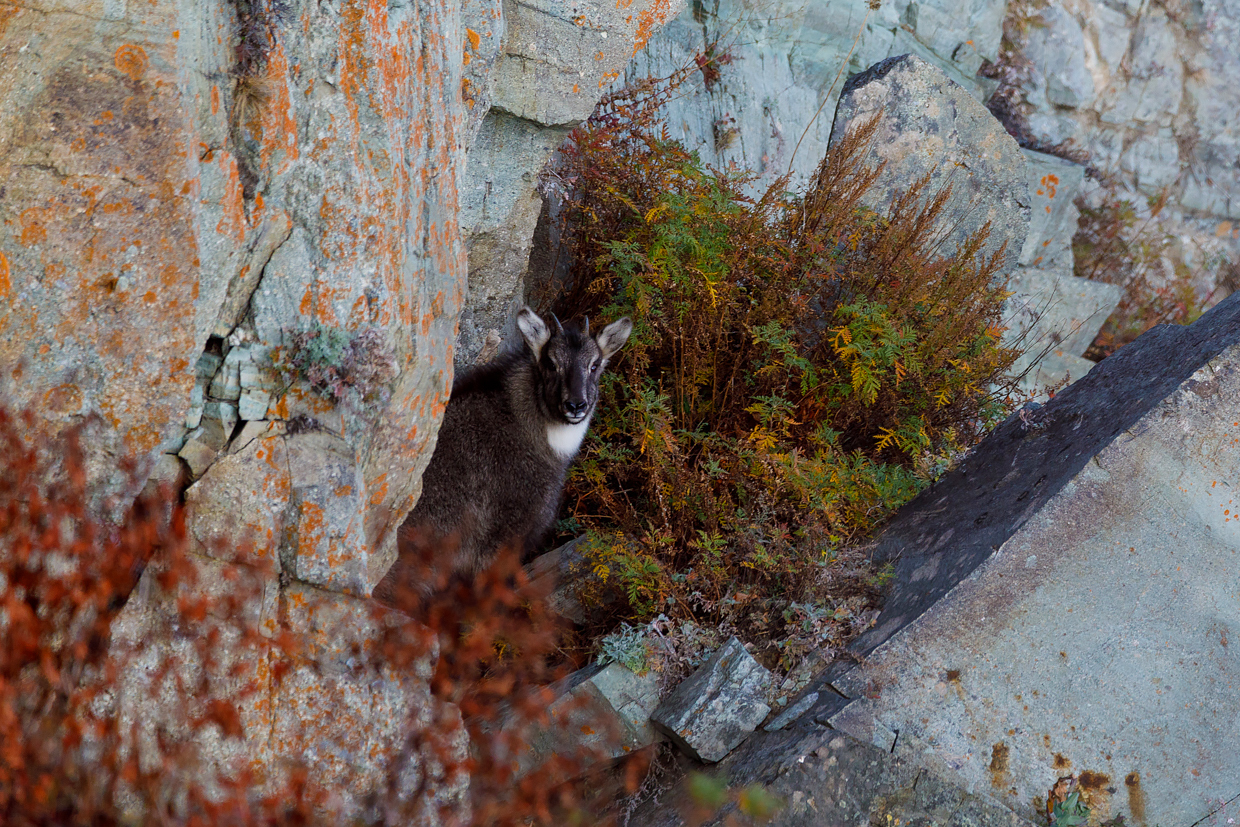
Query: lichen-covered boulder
{"points": [[930, 126]]}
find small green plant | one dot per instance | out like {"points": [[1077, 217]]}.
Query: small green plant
{"points": [[347, 367], [626, 646], [709, 794]]}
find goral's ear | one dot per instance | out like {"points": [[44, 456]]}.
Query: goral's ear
{"points": [[614, 336], [533, 330]]}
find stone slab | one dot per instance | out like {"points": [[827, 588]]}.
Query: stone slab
{"points": [[717, 706], [1055, 308], [1053, 183], [830, 778], [603, 713]]}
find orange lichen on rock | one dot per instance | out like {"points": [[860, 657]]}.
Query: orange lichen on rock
{"points": [[131, 60], [655, 15]]}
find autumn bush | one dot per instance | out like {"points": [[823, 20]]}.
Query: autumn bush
{"points": [[67, 753], [110, 717], [800, 366]]}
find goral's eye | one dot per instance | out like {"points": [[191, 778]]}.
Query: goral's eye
{"points": [[594, 366]]}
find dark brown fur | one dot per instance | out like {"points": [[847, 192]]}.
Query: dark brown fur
{"points": [[495, 478]]}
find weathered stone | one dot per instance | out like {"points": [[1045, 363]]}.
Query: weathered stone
{"points": [[534, 70], [831, 778], [1155, 80], [561, 574], [930, 126], [227, 382], [198, 455], [247, 263], [1154, 161], [1056, 47], [325, 544], [778, 92], [258, 382], [603, 713], [1054, 309], [210, 432], [241, 503], [221, 414], [1053, 183], [792, 713], [332, 703], [717, 706]]}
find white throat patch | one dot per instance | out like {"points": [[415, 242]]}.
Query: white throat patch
{"points": [[565, 439]]}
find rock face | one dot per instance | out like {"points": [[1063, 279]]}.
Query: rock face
{"points": [[1053, 315], [171, 216], [1150, 92], [231, 240], [769, 108], [716, 707], [166, 225], [1061, 600], [929, 125], [535, 71]]}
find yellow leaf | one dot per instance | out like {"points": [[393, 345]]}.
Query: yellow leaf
{"points": [[841, 333]]}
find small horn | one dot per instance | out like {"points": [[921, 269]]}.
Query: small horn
{"points": [[559, 328], [587, 333]]}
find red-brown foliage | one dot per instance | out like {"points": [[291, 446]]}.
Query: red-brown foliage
{"points": [[114, 716]]}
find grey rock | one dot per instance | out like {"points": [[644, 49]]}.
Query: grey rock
{"points": [[327, 501], [198, 455], [247, 262], [1154, 83], [1112, 31], [1056, 47], [1218, 194], [537, 71], [1053, 184], [1054, 369], [1154, 161], [224, 413], [197, 398], [1051, 308], [258, 382], [211, 431], [717, 706], [792, 713], [558, 574], [207, 366], [600, 713], [227, 382], [931, 126], [828, 777], [482, 37]]}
